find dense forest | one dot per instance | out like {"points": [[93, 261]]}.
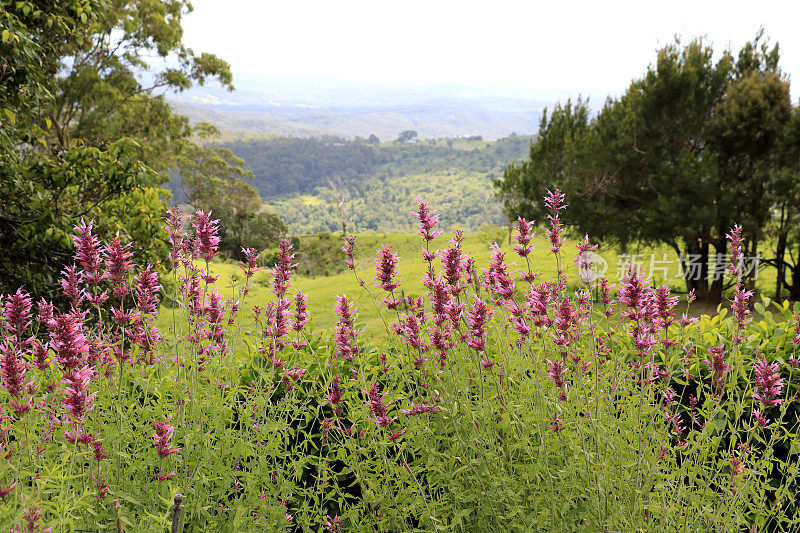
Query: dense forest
{"points": [[286, 165], [327, 184]]}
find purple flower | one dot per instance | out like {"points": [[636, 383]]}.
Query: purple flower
{"points": [[634, 293], [349, 250], [440, 297], [101, 486], [584, 259], [409, 329], [418, 409], [70, 283], [761, 420], [13, 369], [556, 426], [162, 438], [76, 400], [178, 240], [477, 319], [496, 279], [386, 268], [335, 394], [345, 334], [523, 234], [735, 237], [565, 324], [741, 310], [555, 202], [334, 524], [282, 271], [300, 318], [605, 296], [67, 340], [378, 408], [394, 437], [557, 374], [31, 516], [768, 383], [146, 292], [663, 305], [427, 221], [118, 264], [251, 257], [796, 338], [89, 253], [45, 311], [719, 366], [17, 313], [452, 266], [205, 239]]}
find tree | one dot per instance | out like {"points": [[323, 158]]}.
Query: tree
{"points": [[213, 179], [406, 136], [784, 187], [678, 159], [83, 135]]}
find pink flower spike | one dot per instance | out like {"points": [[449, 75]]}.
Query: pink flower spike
{"points": [[427, 221], [300, 318], [282, 271], [768, 383], [418, 409], [386, 268], [736, 240], [89, 253], [162, 438], [555, 202], [349, 249], [118, 264], [164, 477], [206, 240], [17, 313], [394, 437]]}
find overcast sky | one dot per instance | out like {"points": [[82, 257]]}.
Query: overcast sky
{"points": [[555, 48]]}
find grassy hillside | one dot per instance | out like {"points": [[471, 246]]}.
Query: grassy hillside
{"points": [[332, 279]]}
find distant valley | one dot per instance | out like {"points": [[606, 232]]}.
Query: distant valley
{"points": [[308, 108]]}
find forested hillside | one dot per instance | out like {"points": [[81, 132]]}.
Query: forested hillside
{"points": [[317, 184], [286, 165]]}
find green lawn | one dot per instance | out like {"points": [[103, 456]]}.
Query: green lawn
{"points": [[322, 291]]}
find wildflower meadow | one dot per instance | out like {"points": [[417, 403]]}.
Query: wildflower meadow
{"points": [[504, 400]]}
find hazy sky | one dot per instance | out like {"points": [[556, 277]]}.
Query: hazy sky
{"points": [[557, 49]]}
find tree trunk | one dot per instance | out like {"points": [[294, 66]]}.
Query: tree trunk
{"points": [[695, 269], [780, 254], [718, 277], [794, 288]]}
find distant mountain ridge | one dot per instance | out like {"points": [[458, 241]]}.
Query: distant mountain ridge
{"points": [[308, 108]]}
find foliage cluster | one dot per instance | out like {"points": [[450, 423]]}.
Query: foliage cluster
{"points": [[692, 146], [383, 203], [86, 134]]}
